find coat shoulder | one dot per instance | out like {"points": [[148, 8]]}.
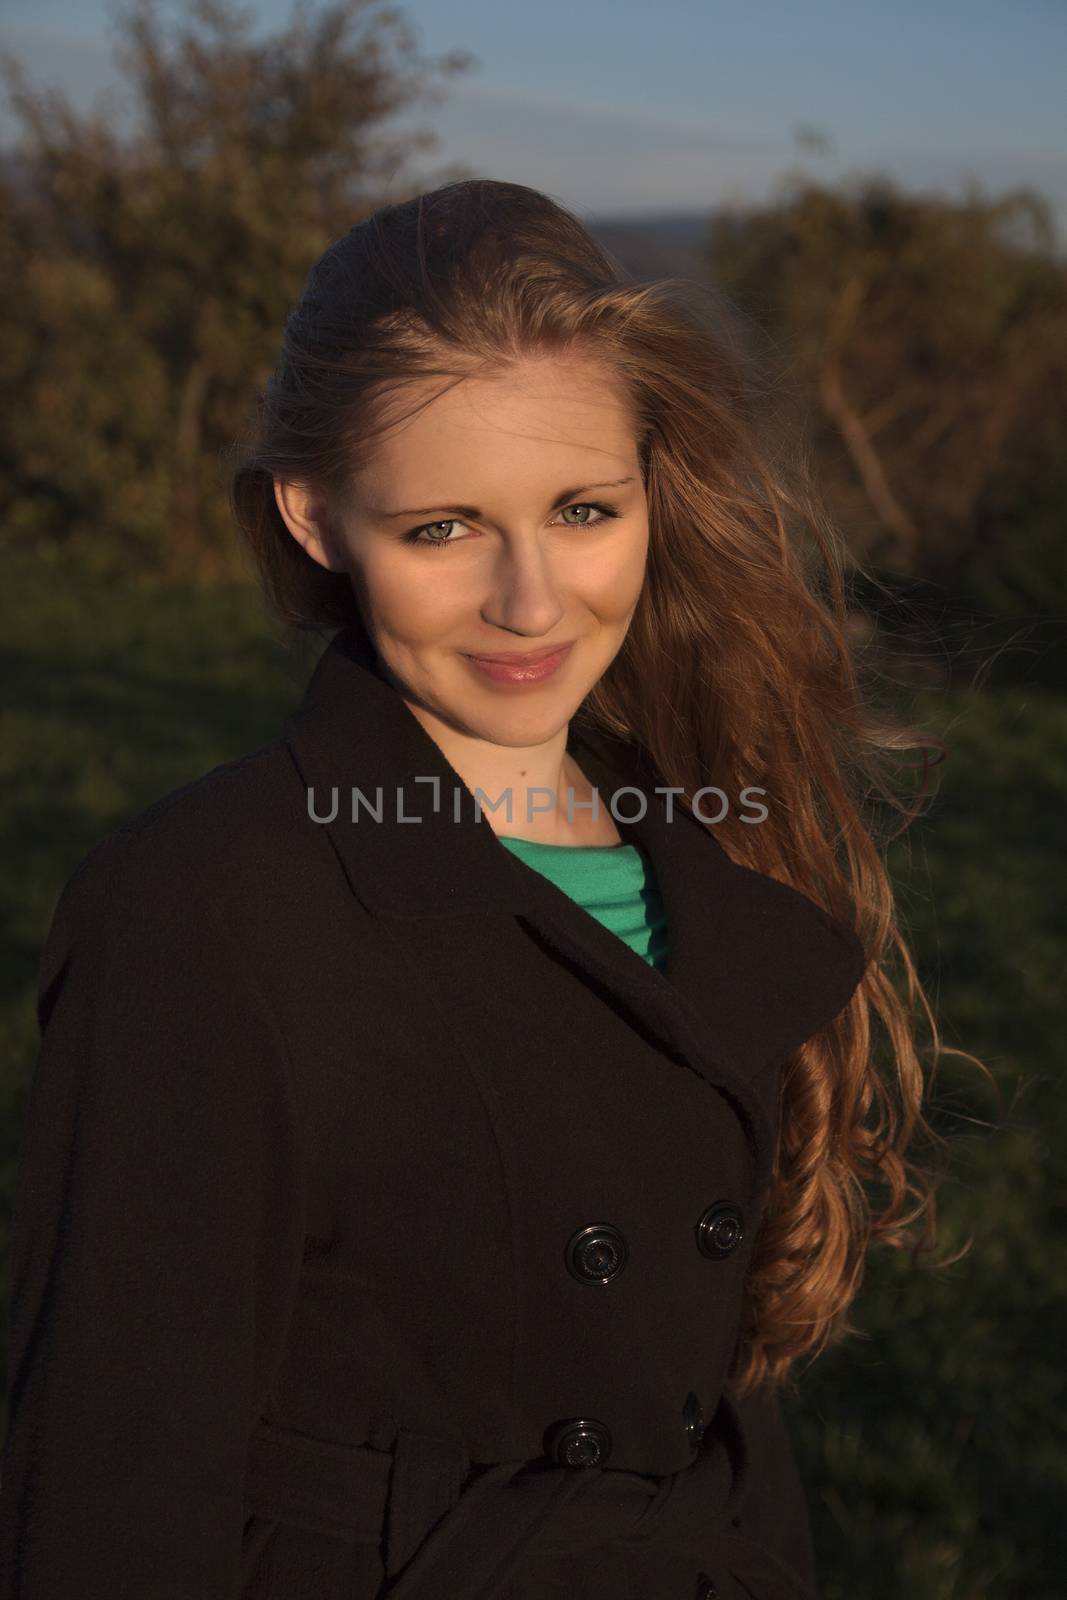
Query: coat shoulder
{"points": [[203, 843], [193, 825]]}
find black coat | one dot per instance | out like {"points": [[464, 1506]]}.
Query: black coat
{"points": [[381, 1217]]}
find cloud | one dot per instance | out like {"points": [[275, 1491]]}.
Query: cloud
{"points": [[605, 155], [544, 111]]}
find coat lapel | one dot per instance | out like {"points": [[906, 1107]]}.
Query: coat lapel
{"points": [[755, 967]]}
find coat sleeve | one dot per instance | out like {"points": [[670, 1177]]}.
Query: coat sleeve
{"points": [[774, 1508], [156, 1246]]}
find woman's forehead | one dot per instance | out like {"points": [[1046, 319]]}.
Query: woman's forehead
{"points": [[547, 424]]}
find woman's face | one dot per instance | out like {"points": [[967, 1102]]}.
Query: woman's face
{"points": [[508, 515]]}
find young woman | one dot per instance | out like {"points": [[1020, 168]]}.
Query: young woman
{"points": [[451, 1120]]}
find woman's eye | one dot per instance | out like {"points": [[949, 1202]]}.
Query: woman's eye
{"points": [[425, 535], [589, 522], [415, 536]]}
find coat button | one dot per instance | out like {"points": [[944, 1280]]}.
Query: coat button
{"points": [[693, 1418], [719, 1230], [578, 1442], [596, 1254], [705, 1590]]}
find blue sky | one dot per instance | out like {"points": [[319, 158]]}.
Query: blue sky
{"points": [[615, 107]]}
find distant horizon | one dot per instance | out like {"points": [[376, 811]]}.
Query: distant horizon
{"points": [[666, 212]]}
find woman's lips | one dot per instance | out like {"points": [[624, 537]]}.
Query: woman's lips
{"points": [[519, 671]]}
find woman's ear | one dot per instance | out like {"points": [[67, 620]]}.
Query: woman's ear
{"points": [[304, 513]]}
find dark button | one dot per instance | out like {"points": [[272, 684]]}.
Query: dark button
{"points": [[706, 1590], [596, 1254], [578, 1442], [693, 1417], [719, 1229]]}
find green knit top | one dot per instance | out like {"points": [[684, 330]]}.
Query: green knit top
{"points": [[614, 883]]}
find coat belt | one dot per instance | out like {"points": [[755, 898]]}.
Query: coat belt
{"points": [[447, 1525]]}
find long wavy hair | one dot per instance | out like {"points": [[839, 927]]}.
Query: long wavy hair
{"points": [[739, 667]]}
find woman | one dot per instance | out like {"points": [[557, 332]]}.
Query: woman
{"points": [[448, 1130]]}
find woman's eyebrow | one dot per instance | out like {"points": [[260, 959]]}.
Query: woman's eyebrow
{"points": [[473, 512]]}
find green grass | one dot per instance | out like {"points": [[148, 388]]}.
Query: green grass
{"points": [[934, 1446]]}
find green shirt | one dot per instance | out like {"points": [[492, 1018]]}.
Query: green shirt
{"points": [[614, 883]]}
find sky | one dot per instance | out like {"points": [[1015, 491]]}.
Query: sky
{"points": [[616, 107]]}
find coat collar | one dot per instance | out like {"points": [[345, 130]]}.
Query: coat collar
{"points": [[755, 966]]}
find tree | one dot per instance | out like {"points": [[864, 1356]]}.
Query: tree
{"points": [[148, 277], [929, 338]]}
